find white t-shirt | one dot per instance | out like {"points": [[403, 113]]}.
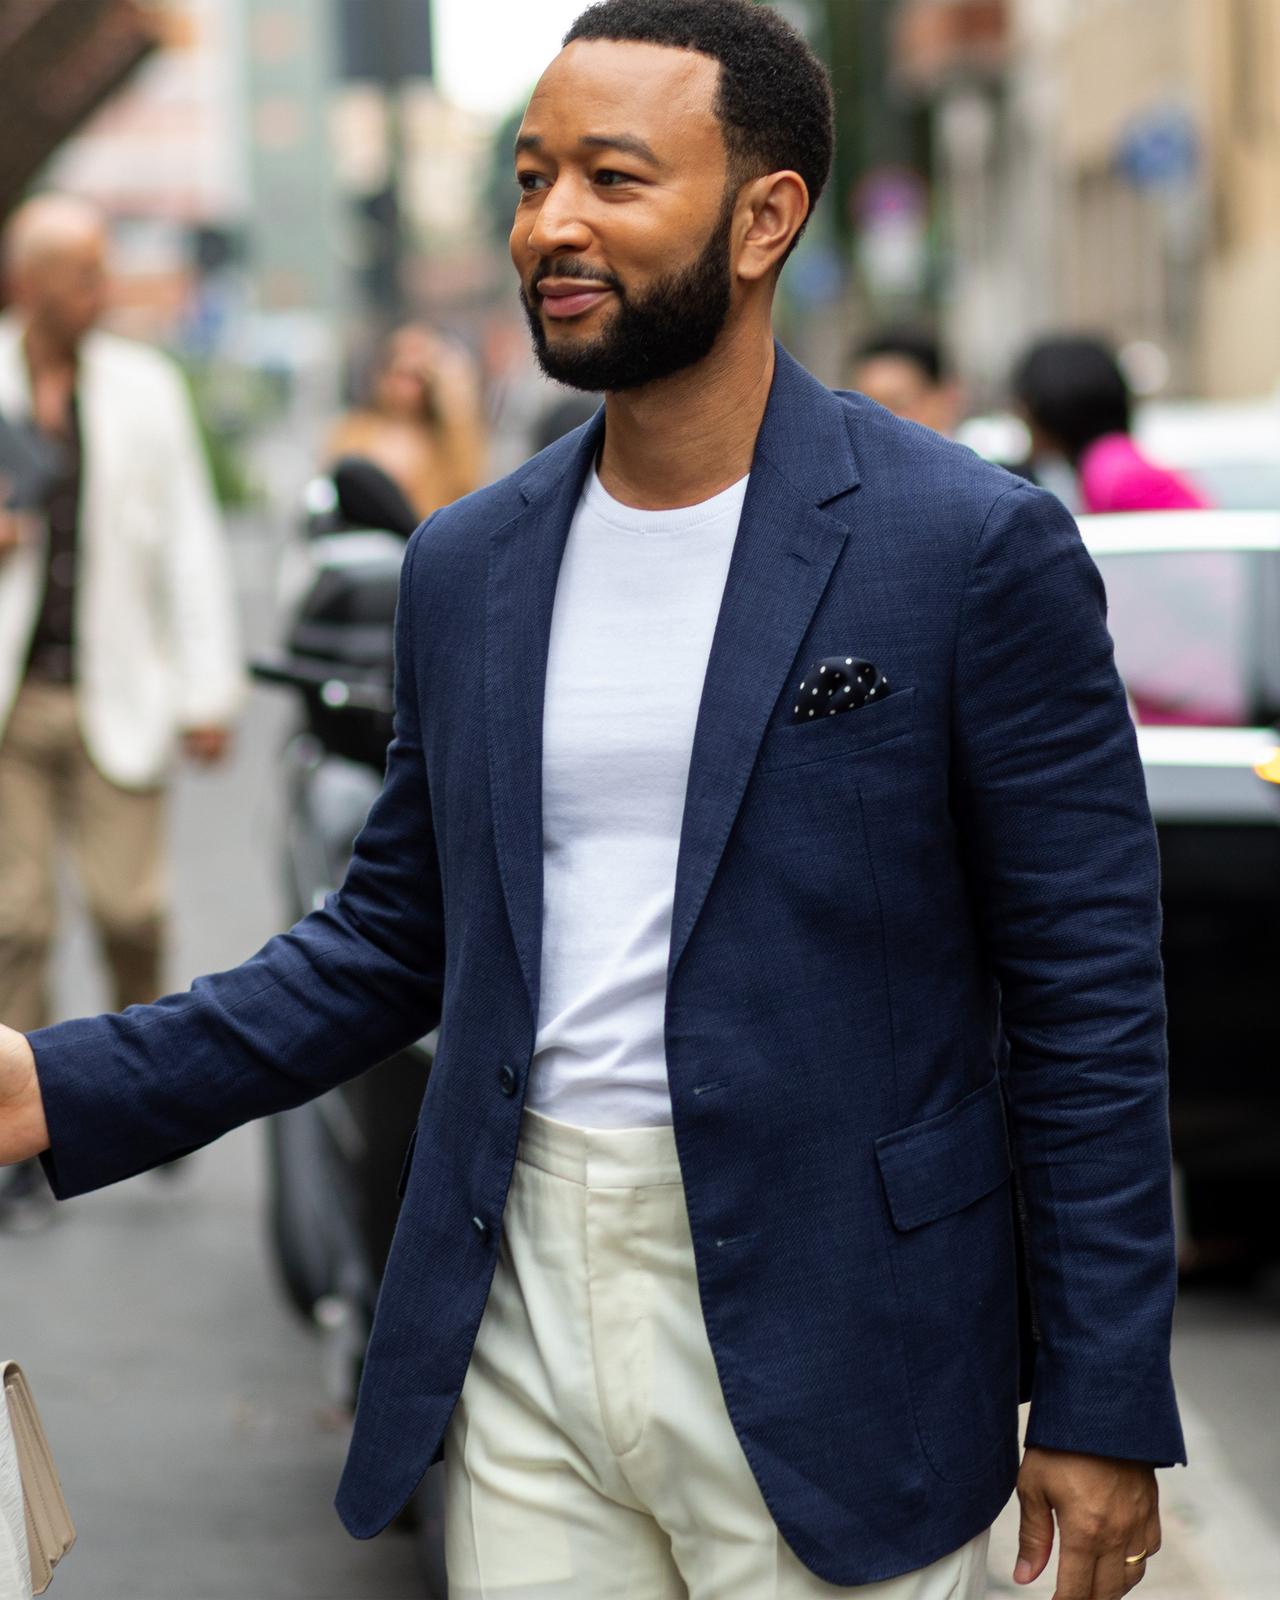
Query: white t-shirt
{"points": [[636, 605]]}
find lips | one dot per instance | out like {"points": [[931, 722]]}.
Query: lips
{"points": [[570, 297]]}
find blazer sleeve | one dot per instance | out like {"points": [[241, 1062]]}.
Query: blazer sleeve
{"points": [[345, 988], [1052, 809]]}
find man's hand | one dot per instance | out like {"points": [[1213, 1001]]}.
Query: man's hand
{"points": [[1106, 1509], [23, 1130], [206, 745]]}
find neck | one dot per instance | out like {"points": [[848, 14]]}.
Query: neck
{"points": [[684, 439], [45, 350]]}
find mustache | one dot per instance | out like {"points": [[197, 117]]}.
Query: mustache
{"points": [[568, 267]]}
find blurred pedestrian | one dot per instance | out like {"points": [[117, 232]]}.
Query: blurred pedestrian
{"points": [[1076, 402], [904, 370], [424, 424], [117, 636]]}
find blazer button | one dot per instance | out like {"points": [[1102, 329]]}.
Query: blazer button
{"points": [[481, 1226], [507, 1080]]}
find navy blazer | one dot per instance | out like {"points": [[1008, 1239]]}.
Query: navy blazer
{"points": [[871, 911]]}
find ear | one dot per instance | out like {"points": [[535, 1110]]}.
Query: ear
{"points": [[775, 208]]}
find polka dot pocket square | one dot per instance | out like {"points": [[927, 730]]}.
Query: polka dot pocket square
{"points": [[836, 684]]}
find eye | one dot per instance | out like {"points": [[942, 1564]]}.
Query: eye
{"points": [[530, 181], [610, 179]]}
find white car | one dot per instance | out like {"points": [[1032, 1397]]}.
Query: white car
{"points": [[1194, 609]]}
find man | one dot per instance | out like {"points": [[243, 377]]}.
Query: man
{"points": [[116, 625], [903, 370], [710, 1202]]}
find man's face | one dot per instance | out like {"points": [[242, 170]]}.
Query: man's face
{"points": [[623, 231], [905, 388], [66, 290]]}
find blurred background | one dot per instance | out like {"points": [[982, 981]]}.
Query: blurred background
{"points": [[288, 181], [287, 178]]}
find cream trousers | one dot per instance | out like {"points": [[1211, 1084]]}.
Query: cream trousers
{"points": [[590, 1456]]}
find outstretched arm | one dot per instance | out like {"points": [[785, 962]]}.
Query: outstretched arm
{"points": [[23, 1130], [344, 988]]}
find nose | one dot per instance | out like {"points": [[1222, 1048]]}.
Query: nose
{"points": [[558, 226]]}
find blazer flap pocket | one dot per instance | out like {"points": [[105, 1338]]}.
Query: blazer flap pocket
{"points": [[945, 1163], [407, 1166]]}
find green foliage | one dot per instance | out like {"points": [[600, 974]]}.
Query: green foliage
{"points": [[231, 404]]}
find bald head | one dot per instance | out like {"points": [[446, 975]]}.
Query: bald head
{"points": [[45, 229], [54, 252]]}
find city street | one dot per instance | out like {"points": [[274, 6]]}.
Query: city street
{"points": [[185, 1402], [187, 1406]]}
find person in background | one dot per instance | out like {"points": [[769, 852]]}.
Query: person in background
{"points": [[424, 425], [117, 630], [903, 369], [1075, 400]]}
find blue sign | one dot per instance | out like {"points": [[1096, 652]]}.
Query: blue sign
{"points": [[1160, 148]]}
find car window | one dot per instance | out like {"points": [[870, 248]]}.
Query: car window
{"points": [[1186, 630]]}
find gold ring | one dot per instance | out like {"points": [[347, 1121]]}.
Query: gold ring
{"points": [[1135, 1561]]}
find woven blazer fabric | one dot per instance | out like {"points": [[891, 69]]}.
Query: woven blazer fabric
{"points": [[914, 949]]}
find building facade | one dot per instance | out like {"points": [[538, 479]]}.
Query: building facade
{"points": [[1109, 165]]}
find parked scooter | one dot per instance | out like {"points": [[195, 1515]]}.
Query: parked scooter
{"points": [[333, 1163]]}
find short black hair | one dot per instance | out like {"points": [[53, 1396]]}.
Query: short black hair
{"points": [[1072, 387], [775, 103], [921, 349]]}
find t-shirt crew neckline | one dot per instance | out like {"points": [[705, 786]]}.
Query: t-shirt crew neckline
{"points": [[599, 503]]}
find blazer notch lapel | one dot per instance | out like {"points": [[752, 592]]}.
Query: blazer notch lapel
{"points": [[782, 562], [805, 435], [786, 550]]}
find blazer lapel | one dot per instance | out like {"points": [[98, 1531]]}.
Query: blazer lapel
{"points": [[524, 565], [782, 560], [105, 443]]}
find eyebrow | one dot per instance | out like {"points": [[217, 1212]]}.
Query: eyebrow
{"points": [[626, 143]]}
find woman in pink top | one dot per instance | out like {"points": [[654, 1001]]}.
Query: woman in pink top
{"points": [[1076, 402]]}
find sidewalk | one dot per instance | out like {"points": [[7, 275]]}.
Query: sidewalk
{"points": [[1217, 1545]]}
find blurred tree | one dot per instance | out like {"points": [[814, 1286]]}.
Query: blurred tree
{"points": [[59, 60], [875, 125]]}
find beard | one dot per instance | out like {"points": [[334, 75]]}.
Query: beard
{"points": [[670, 326]]}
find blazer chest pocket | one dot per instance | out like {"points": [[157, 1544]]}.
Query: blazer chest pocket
{"points": [[951, 1251], [796, 744]]}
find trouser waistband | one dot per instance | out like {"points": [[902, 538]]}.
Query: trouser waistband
{"points": [[599, 1158]]}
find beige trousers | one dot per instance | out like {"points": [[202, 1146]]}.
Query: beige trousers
{"points": [[590, 1456], [50, 793]]}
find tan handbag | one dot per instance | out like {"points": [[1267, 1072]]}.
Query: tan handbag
{"points": [[49, 1531]]}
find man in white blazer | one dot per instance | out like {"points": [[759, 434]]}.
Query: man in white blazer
{"points": [[117, 633]]}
